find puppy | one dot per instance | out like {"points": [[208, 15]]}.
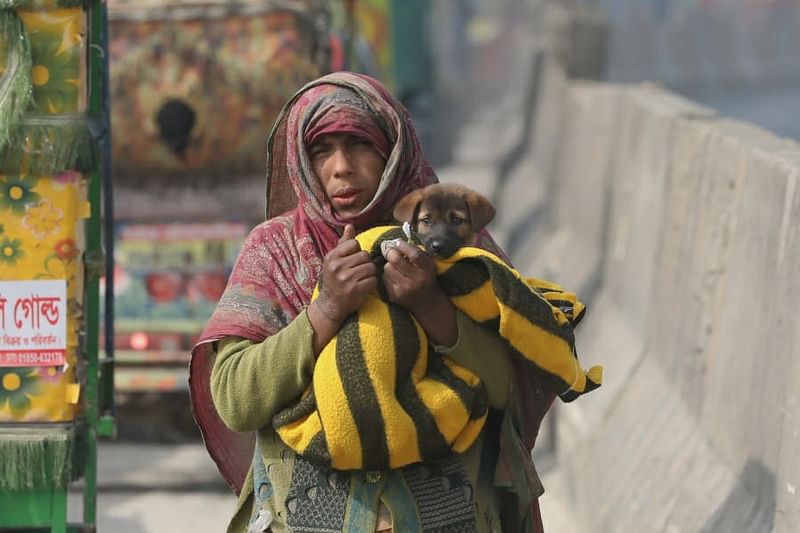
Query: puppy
{"points": [[445, 216]]}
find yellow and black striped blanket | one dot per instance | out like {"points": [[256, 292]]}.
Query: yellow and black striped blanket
{"points": [[380, 398]]}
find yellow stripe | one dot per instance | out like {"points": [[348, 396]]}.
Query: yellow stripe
{"points": [[548, 351], [472, 428], [367, 238], [595, 374], [298, 434], [341, 433], [377, 340], [480, 305], [469, 434], [445, 405], [471, 252], [462, 373], [443, 265]]}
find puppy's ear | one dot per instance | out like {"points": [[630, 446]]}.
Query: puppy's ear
{"points": [[481, 210], [405, 210]]}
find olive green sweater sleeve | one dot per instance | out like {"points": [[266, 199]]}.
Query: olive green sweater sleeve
{"points": [[251, 381], [484, 353]]}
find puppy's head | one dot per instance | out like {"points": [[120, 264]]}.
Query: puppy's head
{"points": [[445, 216]]}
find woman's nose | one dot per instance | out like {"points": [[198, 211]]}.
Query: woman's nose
{"points": [[340, 162]]}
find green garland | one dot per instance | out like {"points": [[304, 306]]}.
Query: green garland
{"points": [[35, 457], [16, 89], [47, 144], [39, 4]]}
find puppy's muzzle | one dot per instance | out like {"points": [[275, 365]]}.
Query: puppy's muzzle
{"points": [[441, 246]]}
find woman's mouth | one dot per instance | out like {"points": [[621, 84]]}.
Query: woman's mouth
{"points": [[345, 198]]}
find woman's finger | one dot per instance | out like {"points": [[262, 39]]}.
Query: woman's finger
{"points": [[389, 284], [368, 284], [398, 269], [355, 259], [348, 233], [346, 248], [410, 260], [399, 262], [363, 271], [420, 260], [413, 254]]}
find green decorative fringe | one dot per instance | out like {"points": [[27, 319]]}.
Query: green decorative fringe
{"points": [[48, 144], [16, 89], [34, 458], [40, 4]]}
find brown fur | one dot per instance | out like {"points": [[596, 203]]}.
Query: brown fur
{"points": [[445, 216]]}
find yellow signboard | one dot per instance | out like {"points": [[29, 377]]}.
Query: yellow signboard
{"points": [[41, 238]]}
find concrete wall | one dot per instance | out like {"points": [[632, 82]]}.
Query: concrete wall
{"points": [[683, 230]]}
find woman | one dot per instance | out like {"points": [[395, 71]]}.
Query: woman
{"points": [[349, 151]]}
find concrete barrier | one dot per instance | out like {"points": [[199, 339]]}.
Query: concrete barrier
{"points": [[684, 228], [567, 43]]}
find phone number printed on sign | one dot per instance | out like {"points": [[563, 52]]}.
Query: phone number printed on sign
{"points": [[33, 323]]}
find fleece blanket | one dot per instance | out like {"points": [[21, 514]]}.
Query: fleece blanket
{"points": [[381, 398]]}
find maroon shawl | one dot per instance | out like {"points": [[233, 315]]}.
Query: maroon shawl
{"points": [[280, 262]]}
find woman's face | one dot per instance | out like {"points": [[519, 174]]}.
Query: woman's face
{"points": [[349, 169]]}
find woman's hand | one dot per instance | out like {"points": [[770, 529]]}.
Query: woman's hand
{"points": [[348, 276], [410, 280]]}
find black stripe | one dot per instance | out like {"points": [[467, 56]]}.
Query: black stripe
{"points": [[493, 324], [513, 293], [376, 256], [388, 235], [577, 318], [430, 440], [569, 309], [474, 399], [464, 277], [304, 407], [317, 450], [361, 396], [545, 290], [564, 305], [569, 396]]}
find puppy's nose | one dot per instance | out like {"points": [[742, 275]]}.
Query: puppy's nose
{"points": [[436, 247]]}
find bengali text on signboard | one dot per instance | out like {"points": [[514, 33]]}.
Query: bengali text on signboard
{"points": [[33, 323]]}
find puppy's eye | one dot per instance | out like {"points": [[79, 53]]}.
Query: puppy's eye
{"points": [[457, 220], [425, 221]]}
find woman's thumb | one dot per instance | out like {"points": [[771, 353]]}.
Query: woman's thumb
{"points": [[349, 233]]}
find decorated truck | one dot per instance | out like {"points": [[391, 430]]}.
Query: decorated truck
{"points": [[195, 87]]}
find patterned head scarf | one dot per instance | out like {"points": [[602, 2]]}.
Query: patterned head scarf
{"points": [[345, 103], [280, 261]]}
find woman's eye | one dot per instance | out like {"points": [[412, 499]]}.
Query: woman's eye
{"points": [[426, 221], [316, 152], [360, 143]]}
